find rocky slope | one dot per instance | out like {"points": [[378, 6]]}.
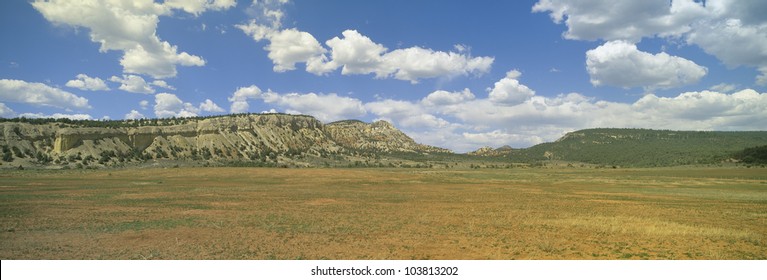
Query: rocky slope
{"points": [[379, 136], [491, 152], [256, 138]]}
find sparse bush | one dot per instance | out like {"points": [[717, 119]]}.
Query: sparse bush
{"points": [[17, 152]]}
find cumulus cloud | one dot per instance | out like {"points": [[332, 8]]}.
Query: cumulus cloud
{"points": [[130, 27], [134, 115], [358, 54], [354, 53], [446, 98], [723, 87], [84, 82], [325, 107], [40, 94], [133, 83], [509, 91], [286, 47], [240, 98], [734, 43], [415, 63], [162, 84], [621, 64], [144, 104], [169, 105], [622, 20], [210, 106], [290, 46], [196, 7], [6, 112], [462, 122], [733, 31], [158, 64]]}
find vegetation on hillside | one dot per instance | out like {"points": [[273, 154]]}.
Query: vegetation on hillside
{"points": [[642, 147], [126, 123], [754, 155]]}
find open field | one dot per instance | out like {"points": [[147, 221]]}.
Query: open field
{"points": [[257, 213]]}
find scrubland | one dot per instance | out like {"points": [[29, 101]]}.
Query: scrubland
{"points": [[270, 213]]}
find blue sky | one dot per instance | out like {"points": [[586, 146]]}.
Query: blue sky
{"points": [[455, 74]]}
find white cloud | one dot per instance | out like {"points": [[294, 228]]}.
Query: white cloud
{"points": [[40, 94], [162, 84], [733, 31], [723, 87], [733, 42], [6, 112], [445, 98], [56, 116], [240, 98], [354, 53], [144, 104], [84, 82], [325, 107], [133, 83], [508, 91], [462, 122], [256, 30], [169, 105], [210, 106], [130, 27], [158, 64], [706, 109], [395, 110], [415, 63], [134, 115], [358, 54], [196, 7], [622, 20], [290, 46], [621, 64]]}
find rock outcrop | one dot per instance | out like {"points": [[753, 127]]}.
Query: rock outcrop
{"points": [[489, 151], [255, 137], [380, 136]]}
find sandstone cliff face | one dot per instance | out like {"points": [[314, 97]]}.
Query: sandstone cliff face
{"points": [[237, 137], [379, 136]]}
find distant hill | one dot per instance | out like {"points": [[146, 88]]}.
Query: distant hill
{"points": [[252, 139], [300, 140], [638, 147]]}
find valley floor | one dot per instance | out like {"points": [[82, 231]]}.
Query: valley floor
{"points": [[270, 213]]}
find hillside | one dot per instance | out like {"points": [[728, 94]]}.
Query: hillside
{"points": [[261, 139], [379, 136], [638, 147], [299, 140]]}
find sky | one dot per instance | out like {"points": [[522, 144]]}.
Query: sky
{"points": [[454, 74]]}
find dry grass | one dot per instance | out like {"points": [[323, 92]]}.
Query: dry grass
{"points": [[253, 213]]}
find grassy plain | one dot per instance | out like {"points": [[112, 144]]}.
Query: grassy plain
{"points": [[262, 213]]}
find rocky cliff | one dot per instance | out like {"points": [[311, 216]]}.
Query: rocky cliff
{"points": [[380, 136], [255, 137]]}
